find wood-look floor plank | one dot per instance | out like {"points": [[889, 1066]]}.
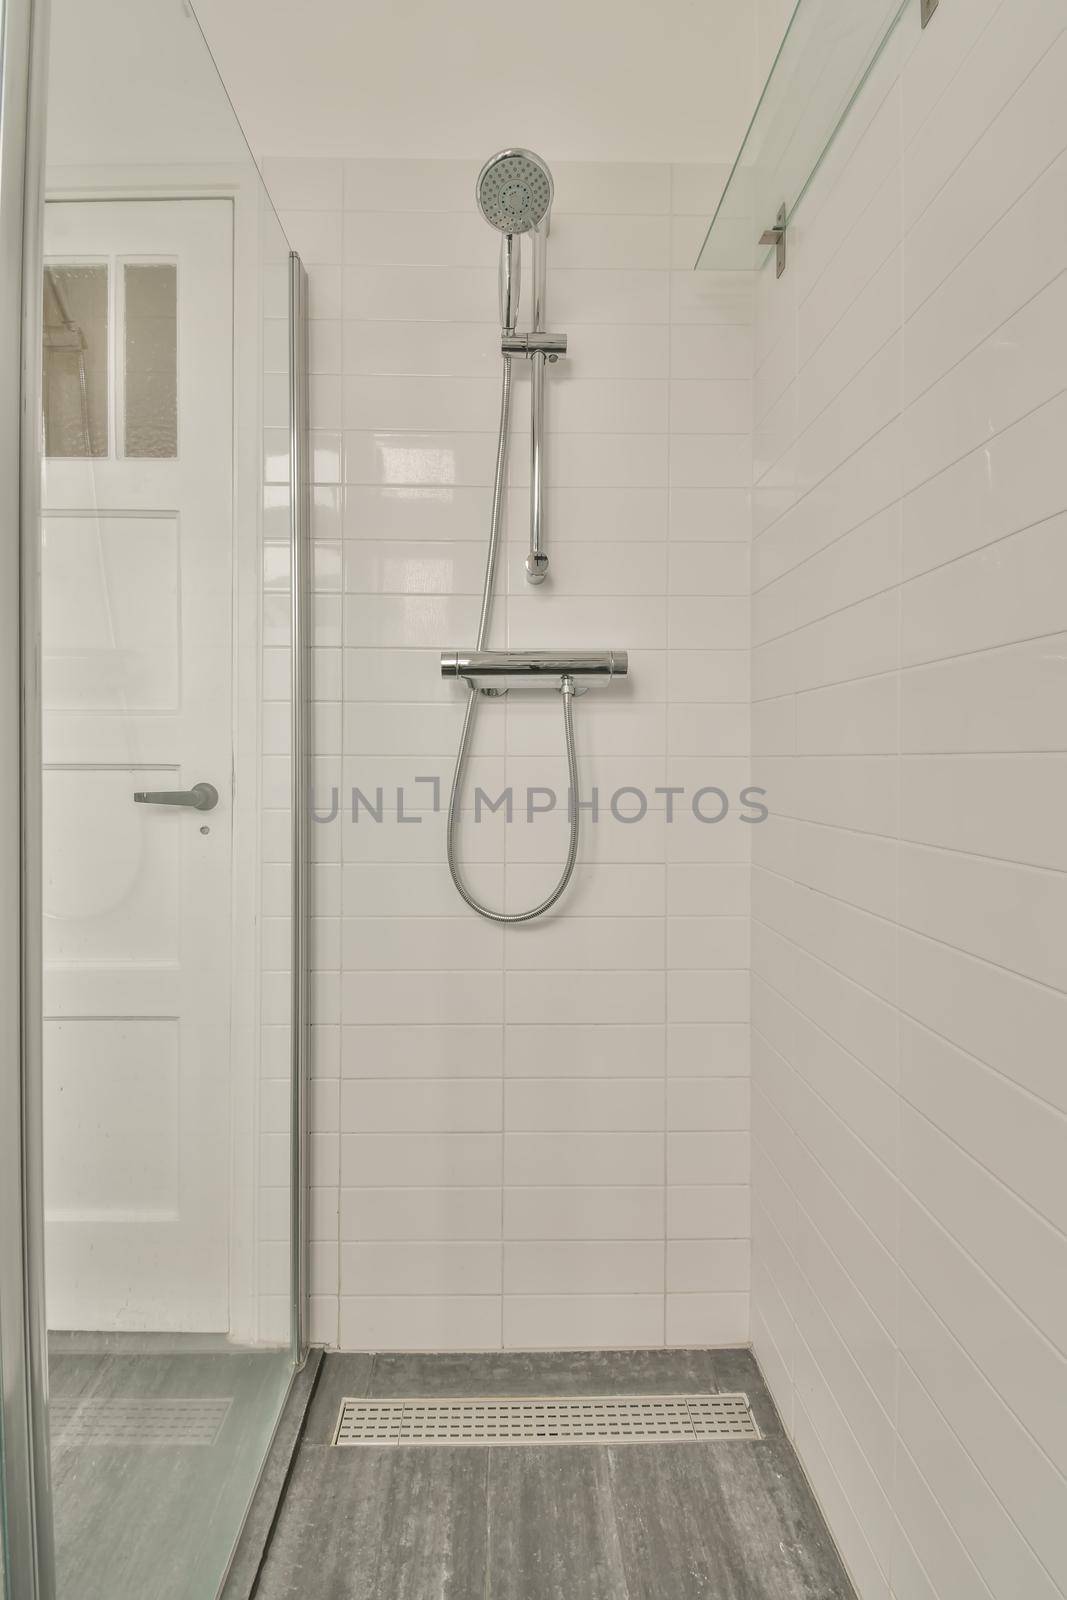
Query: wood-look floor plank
{"points": [[567, 1372], [369, 1523], [552, 1526], [736, 1521]]}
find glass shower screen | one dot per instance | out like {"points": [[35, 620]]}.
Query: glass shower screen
{"points": [[166, 702]]}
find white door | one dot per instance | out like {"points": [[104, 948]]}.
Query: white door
{"points": [[137, 533]]}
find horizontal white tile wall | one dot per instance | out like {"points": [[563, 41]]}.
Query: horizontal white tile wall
{"points": [[538, 1135], [910, 892]]}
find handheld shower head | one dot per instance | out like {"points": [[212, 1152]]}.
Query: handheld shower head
{"points": [[514, 191]]}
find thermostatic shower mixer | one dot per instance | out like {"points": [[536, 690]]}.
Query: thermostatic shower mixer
{"points": [[533, 667]]}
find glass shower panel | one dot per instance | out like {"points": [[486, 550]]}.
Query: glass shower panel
{"points": [[166, 689]]}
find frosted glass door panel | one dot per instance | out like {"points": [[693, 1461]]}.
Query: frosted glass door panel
{"points": [[151, 369], [76, 370]]}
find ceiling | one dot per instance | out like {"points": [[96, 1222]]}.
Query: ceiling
{"points": [[593, 80]]}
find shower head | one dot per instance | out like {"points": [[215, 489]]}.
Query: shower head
{"points": [[514, 191]]}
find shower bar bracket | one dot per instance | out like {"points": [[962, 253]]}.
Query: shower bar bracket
{"points": [[549, 345]]}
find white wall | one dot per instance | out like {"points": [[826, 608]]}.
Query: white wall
{"points": [[131, 81], [772, 19], [599, 81], [534, 1136], [910, 902]]}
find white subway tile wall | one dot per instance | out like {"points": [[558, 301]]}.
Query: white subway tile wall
{"points": [[538, 1135], [910, 890]]}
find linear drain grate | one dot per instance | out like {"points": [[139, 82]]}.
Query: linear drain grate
{"points": [[612, 1419], [138, 1422]]}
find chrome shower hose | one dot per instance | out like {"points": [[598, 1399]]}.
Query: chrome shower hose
{"points": [[567, 693]]}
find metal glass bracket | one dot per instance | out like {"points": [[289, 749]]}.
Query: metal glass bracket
{"points": [[776, 236]]}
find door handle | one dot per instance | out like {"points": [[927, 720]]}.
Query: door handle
{"points": [[201, 797]]}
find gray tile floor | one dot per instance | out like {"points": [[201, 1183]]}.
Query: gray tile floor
{"points": [[157, 1521], [732, 1521]]}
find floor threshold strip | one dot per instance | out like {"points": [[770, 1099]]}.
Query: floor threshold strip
{"points": [[594, 1419]]}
